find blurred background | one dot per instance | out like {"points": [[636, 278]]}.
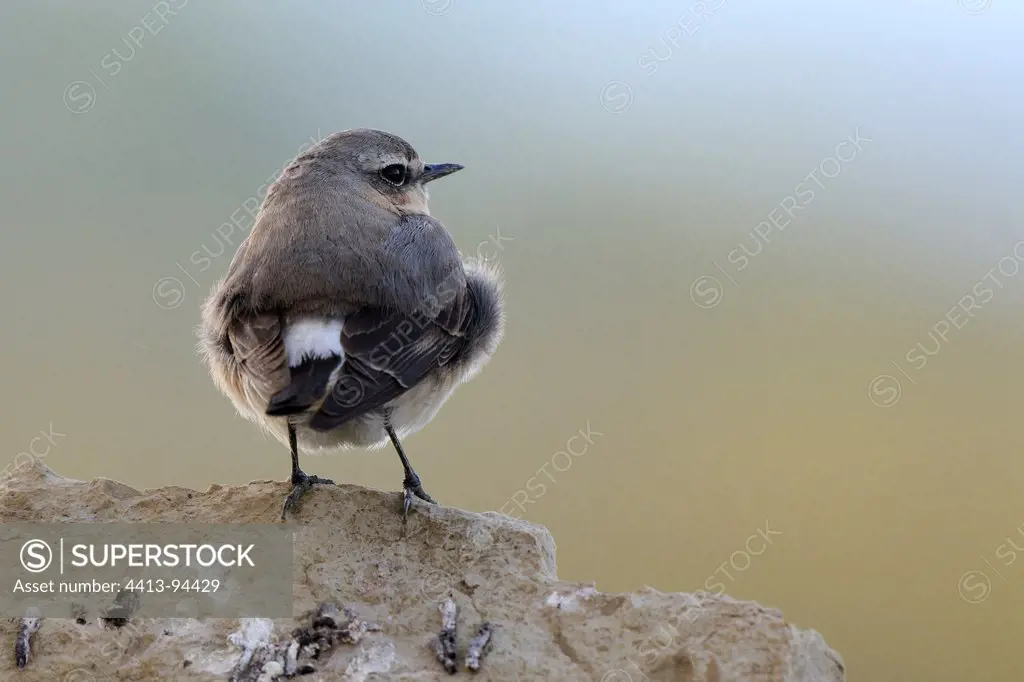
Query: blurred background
{"points": [[737, 240]]}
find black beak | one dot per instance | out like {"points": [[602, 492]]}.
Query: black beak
{"points": [[433, 171]]}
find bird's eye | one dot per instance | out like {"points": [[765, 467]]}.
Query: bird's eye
{"points": [[395, 174]]}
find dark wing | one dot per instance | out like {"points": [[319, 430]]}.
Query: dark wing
{"points": [[257, 346], [388, 352]]}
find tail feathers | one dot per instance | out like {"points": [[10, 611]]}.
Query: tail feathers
{"points": [[307, 388], [287, 403]]}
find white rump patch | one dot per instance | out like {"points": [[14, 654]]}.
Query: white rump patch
{"points": [[313, 339]]}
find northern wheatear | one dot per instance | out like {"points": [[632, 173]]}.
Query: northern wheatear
{"points": [[347, 316]]}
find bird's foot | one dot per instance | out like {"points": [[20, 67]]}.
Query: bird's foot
{"points": [[413, 488], [301, 483]]}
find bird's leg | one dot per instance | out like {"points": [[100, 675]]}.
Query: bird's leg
{"points": [[411, 484], [301, 482]]}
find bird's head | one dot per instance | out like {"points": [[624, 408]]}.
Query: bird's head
{"points": [[384, 166]]}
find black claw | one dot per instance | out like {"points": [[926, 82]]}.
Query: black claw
{"points": [[413, 488], [406, 505], [301, 483]]}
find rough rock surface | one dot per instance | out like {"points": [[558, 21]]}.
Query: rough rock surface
{"points": [[351, 548]]}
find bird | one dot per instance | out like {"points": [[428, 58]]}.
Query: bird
{"points": [[348, 316]]}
